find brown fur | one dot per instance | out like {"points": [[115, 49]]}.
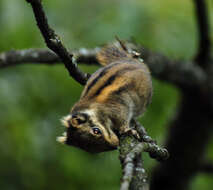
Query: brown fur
{"points": [[113, 96]]}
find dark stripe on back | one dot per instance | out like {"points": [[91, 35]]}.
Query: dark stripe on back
{"points": [[118, 93], [102, 73], [122, 88], [113, 77]]}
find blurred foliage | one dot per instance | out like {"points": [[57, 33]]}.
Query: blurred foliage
{"points": [[34, 98]]}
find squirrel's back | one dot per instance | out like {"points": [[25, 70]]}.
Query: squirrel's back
{"points": [[123, 80]]}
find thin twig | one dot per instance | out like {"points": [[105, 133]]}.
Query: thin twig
{"points": [[153, 149], [203, 53], [54, 43]]}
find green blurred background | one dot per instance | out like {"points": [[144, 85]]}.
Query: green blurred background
{"points": [[34, 97]]}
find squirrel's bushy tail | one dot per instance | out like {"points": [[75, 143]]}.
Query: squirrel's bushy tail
{"points": [[111, 53]]}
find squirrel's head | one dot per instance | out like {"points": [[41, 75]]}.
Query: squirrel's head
{"points": [[86, 130]]}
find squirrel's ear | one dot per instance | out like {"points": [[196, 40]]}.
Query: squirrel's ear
{"points": [[78, 118]]}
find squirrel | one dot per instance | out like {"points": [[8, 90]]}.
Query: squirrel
{"points": [[113, 96]]}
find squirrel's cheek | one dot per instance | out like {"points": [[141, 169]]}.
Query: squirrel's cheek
{"points": [[115, 141], [112, 140]]}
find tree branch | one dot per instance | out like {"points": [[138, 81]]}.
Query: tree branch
{"points": [[37, 56], [44, 56], [203, 54], [181, 73], [184, 74], [54, 43], [139, 173], [130, 157]]}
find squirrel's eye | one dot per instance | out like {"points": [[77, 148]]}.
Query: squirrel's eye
{"points": [[96, 131]]}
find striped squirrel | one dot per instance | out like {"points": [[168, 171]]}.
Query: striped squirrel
{"points": [[113, 96]]}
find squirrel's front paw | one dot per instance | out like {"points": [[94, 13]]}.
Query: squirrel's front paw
{"points": [[131, 132]]}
